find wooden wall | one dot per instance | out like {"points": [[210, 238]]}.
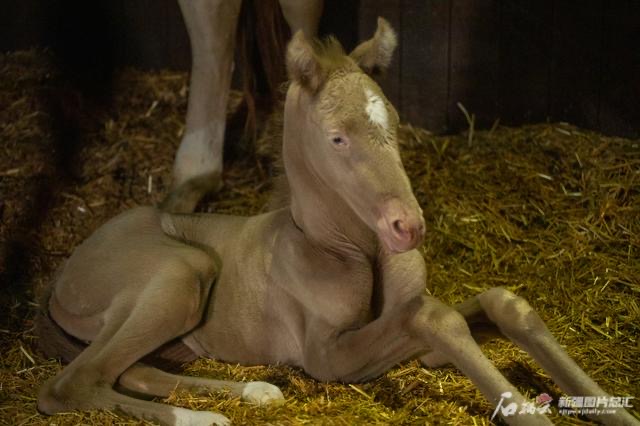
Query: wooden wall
{"points": [[517, 60], [142, 33]]}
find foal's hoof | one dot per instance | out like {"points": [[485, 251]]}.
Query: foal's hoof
{"points": [[184, 417], [219, 420], [262, 393]]}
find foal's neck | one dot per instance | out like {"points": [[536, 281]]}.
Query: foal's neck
{"points": [[330, 224], [321, 214]]}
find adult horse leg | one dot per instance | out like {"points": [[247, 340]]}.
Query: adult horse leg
{"points": [[211, 25], [302, 15], [135, 325]]}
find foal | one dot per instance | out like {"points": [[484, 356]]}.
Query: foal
{"points": [[332, 283]]}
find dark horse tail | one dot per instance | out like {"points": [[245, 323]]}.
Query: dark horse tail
{"points": [[262, 35], [262, 41]]}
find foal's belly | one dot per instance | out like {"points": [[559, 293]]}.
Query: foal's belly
{"points": [[250, 320], [254, 334]]}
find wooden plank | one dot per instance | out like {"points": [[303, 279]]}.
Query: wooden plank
{"points": [[525, 58], [340, 19], [619, 112], [475, 62], [143, 36], [121, 29], [368, 14], [23, 24], [178, 46], [80, 35], [576, 66], [424, 61]]}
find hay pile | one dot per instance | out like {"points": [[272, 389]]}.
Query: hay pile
{"points": [[550, 211]]}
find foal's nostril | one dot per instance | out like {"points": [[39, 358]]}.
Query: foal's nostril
{"points": [[400, 228]]}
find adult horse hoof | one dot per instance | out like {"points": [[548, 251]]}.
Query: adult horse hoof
{"points": [[185, 197], [262, 393]]}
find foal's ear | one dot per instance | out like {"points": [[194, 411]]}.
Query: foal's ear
{"points": [[374, 55], [303, 64]]}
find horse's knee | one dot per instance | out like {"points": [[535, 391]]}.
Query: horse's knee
{"points": [[440, 322], [513, 315]]}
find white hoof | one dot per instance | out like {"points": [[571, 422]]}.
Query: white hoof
{"points": [[262, 393], [218, 419], [184, 417]]}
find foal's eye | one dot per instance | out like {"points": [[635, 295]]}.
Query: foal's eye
{"points": [[338, 140]]}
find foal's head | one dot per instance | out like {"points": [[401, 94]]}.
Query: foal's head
{"points": [[346, 131]]}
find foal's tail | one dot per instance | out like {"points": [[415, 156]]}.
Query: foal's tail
{"points": [[53, 341]]}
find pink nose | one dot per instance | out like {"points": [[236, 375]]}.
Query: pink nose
{"points": [[404, 232], [401, 226]]}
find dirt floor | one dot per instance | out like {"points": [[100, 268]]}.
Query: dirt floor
{"points": [[549, 211]]}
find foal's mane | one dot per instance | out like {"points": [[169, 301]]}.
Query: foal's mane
{"points": [[332, 55]]}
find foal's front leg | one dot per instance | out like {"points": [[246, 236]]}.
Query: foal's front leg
{"points": [[518, 321], [401, 333]]}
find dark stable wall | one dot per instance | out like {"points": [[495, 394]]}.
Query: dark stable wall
{"points": [[520, 61]]}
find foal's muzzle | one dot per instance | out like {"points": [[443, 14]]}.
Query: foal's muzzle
{"points": [[400, 225]]}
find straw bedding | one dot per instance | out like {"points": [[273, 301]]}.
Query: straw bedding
{"points": [[550, 211]]}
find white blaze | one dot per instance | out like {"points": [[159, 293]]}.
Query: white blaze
{"points": [[376, 109]]}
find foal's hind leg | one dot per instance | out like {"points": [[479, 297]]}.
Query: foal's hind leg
{"points": [[135, 325], [500, 312], [151, 381]]}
